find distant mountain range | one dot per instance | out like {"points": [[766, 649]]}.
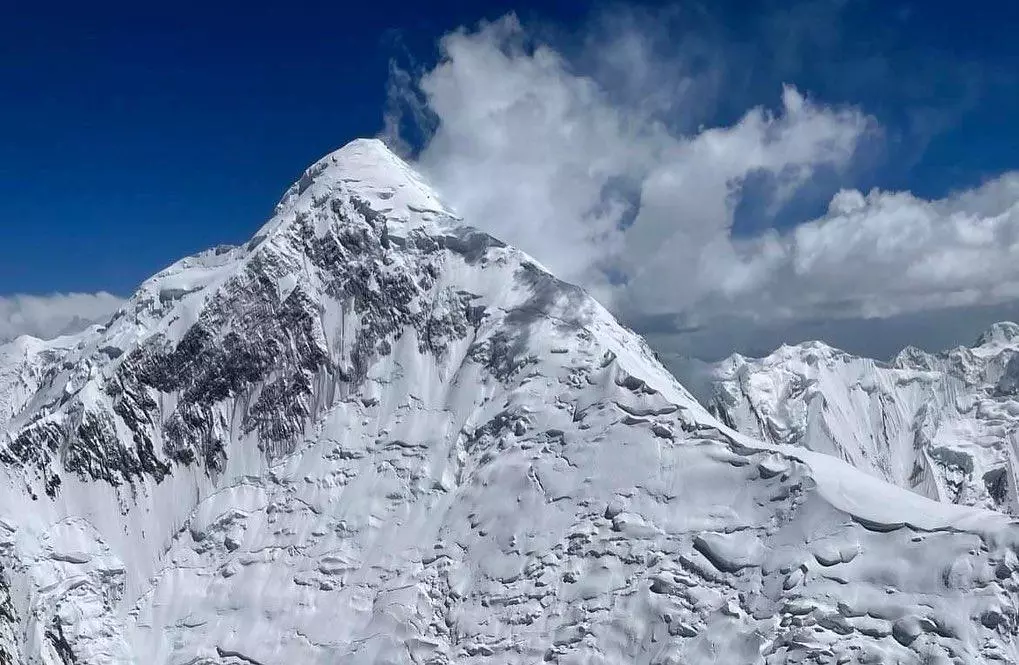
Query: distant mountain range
{"points": [[943, 425]]}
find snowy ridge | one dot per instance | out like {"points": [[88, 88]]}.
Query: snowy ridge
{"points": [[21, 361], [943, 425], [374, 435]]}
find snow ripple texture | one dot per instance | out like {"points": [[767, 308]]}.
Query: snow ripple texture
{"points": [[375, 435]]}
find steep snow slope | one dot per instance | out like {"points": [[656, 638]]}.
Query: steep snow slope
{"points": [[944, 425], [374, 435]]}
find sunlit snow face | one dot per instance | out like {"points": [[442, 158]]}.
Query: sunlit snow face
{"points": [[371, 435]]}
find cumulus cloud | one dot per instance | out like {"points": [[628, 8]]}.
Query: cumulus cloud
{"points": [[681, 246], [885, 254], [604, 179], [53, 315], [597, 188], [537, 152]]}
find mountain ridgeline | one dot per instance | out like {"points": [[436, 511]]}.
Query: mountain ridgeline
{"points": [[943, 425], [374, 434]]}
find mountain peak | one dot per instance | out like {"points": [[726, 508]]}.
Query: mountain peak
{"points": [[999, 333], [368, 169], [373, 434]]}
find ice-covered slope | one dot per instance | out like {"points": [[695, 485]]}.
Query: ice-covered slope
{"points": [[374, 435], [944, 425]]}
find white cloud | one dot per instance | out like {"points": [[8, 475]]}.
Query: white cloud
{"points": [[889, 253], [53, 315], [532, 149], [681, 247], [586, 171], [547, 159]]}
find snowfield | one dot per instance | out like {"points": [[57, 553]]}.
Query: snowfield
{"points": [[375, 435]]}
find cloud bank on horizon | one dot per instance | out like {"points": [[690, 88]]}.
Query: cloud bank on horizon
{"points": [[594, 163], [53, 315]]}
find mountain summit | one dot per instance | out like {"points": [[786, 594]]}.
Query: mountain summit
{"points": [[375, 435]]}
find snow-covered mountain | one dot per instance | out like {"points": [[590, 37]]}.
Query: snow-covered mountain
{"points": [[944, 425], [375, 435]]}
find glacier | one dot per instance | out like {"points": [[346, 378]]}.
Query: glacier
{"points": [[374, 434], [943, 425]]}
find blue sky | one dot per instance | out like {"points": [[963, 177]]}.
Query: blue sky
{"points": [[132, 135]]}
